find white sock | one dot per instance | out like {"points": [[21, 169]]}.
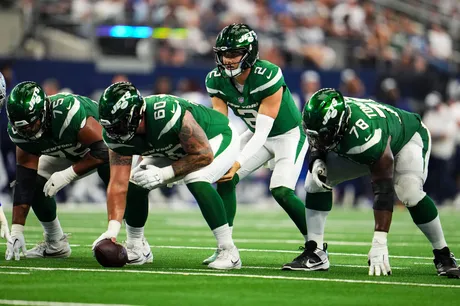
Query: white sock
{"points": [[53, 230], [134, 234], [231, 230], [223, 236], [316, 221], [305, 237], [433, 231]]}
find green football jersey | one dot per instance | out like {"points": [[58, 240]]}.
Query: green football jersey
{"points": [[264, 80], [369, 128], [68, 114], [163, 122]]}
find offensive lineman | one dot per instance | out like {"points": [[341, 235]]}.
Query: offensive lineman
{"points": [[58, 140], [351, 137], [178, 140], [256, 92]]}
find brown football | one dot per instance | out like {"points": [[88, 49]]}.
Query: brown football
{"points": [[110, 254]]}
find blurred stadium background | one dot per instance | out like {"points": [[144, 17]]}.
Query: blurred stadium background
{"points": [[404, 53]]}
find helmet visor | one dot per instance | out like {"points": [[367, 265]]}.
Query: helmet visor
{"points": [[324, 140]]}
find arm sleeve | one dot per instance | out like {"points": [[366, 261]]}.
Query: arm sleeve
{"points": [[263, 127]]}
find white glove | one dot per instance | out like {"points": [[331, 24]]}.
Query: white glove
{"points": [[111, 233], [4, 230], [319, 169], [16, 244], [152, 176], [59, 180], [378, 258]]}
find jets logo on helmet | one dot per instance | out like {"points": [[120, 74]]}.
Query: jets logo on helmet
{"points": [[122, 103], [250, 36], [36, 99], [331, 112]]}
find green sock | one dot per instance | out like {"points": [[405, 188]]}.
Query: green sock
{"points": [[227, 192], [294, 207], [424, 212], [137, 205], [210, 203], [321, 201], [44, 207]]}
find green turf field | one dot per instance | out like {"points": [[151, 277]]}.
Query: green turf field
{"points": [[266, 239]]}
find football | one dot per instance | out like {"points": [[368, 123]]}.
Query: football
{"points": [[110, 254]]}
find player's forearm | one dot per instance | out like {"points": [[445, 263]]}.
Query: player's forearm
{"points": [[87, 164], [116, 203], [192, 162], [20, 213]]}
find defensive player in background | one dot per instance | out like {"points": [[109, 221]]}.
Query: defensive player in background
{"points": [[352, 137], [4, 229], [58, 140], [256, 92], [178, 140]]}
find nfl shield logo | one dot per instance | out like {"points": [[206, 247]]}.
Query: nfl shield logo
{"points": [[241, 99]]}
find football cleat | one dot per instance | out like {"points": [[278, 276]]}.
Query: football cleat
{"points": [[227, 258], [445, 263], [139, 253], [51, 249], [211, 258], [312, 259]]}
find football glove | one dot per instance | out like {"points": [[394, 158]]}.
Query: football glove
{"points": [[111, 233], [319, 173], [16, 244], [59, 180], [378, 258], [152, 176]]}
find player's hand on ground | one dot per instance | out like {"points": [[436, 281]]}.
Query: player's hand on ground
{"points": [[319, 173], [230, 173], [148, 176], [378, 259], [15, 246]]}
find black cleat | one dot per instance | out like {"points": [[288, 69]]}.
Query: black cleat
{"points": [[311, 259], [445, 263]]}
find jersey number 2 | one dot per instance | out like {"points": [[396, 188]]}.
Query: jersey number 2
{"points": [[249, 116]]}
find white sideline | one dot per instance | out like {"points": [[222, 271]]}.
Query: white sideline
{"points": [[186, 273], [23, 273], [46, 303]]}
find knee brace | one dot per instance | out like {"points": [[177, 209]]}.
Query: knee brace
{"points": [[409, 189]]}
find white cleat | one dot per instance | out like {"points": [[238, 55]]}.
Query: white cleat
{"points": [[211, 258], [227, 258], [51, 249], [139, 253]]}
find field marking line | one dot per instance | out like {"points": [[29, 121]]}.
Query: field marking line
{"points": [[46, 303], [22, 273], [273, 277]]}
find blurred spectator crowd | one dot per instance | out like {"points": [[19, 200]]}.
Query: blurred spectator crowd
{"points": [[321, 33]]}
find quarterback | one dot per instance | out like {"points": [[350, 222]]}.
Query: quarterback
{"points": [[352, 137], [58, 140], [256, 92], [179, 141]]}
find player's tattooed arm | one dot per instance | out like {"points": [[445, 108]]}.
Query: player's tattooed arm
{"points": [[382, 184], [120, 169], [195, 144], [26, 172]]}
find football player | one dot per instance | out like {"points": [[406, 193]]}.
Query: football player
{"points": [[58, 140], [178, 140], [4, 230], [352, 137], [256, 92]]}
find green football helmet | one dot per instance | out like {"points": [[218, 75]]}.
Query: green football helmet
{"points": [[235, 40], [121, 108], [27, 109], [324, 119]]}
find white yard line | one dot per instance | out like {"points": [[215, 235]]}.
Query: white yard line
{"points": [[21, 273], [46, 303], [187, 273]]}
